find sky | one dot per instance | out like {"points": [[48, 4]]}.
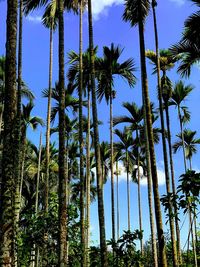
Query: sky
{"points": [[109, 28]]}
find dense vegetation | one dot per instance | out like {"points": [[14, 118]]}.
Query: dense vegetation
{"points": [[46, 192]]}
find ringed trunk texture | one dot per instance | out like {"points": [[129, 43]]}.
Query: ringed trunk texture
{"points": [[128, 191], [96, 144], [160, 232], [17, 144], [111, 167], [139, 205], [168, 184], [8, 166], [150, 200], [88, 185], [173, 184], [48, 120], [62, 242], [81, 166], [118, 214]]}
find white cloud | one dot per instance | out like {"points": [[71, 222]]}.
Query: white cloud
{"points": [[101, 6], [161, 178], [35, 19], [160, 172], [178, 2]]}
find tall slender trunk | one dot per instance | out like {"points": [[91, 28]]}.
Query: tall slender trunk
{"points": [[35, 247], [47, 148], [17, 161], [193, 239], [9, 116], [82, 204], [88, 184], [128, 191], [48, 120], [139, 195], [118, 214], [111, 167], [161, 240], [68, 186], [182, 138], [62, 244], [96, 144], [173, 183], [23, 156], [1, 119], [168, 186], [151, 209]]}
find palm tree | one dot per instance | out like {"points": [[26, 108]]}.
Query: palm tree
{"points": [[62, 242], [18, 128], [164, 145], [179, 95], [126, 141], [136, 12], [117, 172], [26, 121], [6, 217], [50, 22], [167, 62], [190, 144], [109, 67], [188, 47], [96, 141], [135, 119]]}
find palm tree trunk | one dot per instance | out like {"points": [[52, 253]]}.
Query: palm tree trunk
{"points": [[81, 133], [96, 144], [38, 176], [139, 200], [182, 137], [193, 238], [118, 214], [17, 161], [36, 249], [151, 211], [34, 254], [46, 200], [168, 186], [8, 185], [48, 121], [68, 186], [147, 108], [111, 167], [23, 155], [62, 244], [128, 190], [88, 185], [173, 184]]}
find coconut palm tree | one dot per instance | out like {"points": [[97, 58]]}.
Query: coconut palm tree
{"points": [[96, 141], [109, 67], [136, 13], [124, 144], [6, 217], [179, 95]]}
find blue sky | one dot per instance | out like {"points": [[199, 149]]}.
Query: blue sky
{"points": [[108, 28]]}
